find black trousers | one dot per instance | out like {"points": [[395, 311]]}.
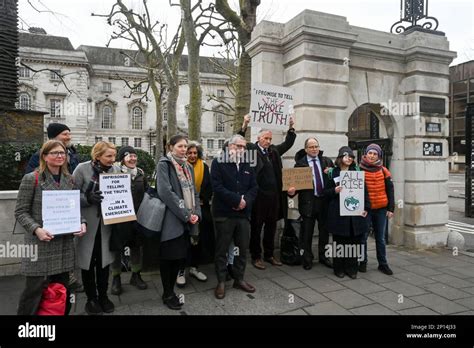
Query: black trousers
{"points": [[227, 230], [96, 279], [348, 262], [264, 214], [319, 214], [30, 298], [169, 271]]}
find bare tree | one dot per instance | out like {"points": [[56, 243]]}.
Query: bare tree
{"points": [[160, 60], [243, 23]]}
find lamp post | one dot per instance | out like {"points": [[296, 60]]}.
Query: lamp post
{"points": [[414, 14]]}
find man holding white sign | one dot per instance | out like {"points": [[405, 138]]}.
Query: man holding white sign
{"points": [[271, 106], [348, 207]]}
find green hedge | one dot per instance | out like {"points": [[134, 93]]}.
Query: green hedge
{"points": [[14, 159]]}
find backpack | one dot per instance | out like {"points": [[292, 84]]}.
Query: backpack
{"points": [[289, 245], [53, 300]]}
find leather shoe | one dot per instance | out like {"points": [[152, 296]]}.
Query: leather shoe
{"points": [[352, 275], [243, 285], [339, 274], [258, 264], [172, 302], [326, 262], [273, 261], [219, 292]]}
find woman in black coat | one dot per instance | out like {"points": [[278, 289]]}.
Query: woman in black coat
{"points": [[203, 245], [346, 230], [125, 234]]}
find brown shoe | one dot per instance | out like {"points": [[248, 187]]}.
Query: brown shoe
{"points": [[219, 292], [243, 285], [274, 261], [258, 264]]}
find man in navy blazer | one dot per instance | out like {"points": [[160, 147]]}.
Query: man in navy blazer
{"points": [[235, 188]]}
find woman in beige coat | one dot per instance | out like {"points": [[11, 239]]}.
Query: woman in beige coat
{"points": [[93, 251]]}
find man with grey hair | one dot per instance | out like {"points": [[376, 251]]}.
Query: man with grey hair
{"points": [[235, 187], [271, 203]]}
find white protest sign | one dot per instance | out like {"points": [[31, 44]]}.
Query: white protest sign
{"points": [[61, 211], [271, 106], [351, 198], [117, 205]]}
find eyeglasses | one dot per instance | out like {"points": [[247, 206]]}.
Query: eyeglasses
{"points": [[57, 154], [313, 147], [240, 146]]}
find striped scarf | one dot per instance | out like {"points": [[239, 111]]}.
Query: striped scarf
{"points": [[185, 178], [368, 166]]}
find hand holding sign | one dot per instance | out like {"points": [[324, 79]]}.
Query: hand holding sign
{"points": [[43, 235], [82, 232]]}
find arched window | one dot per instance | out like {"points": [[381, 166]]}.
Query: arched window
{"points": [[220, 125], [107, 117], [137, 118], [25, 101]]}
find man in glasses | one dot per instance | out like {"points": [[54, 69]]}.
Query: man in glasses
{"points": [[312, 204], [61, 132], [235, 187], [271, 203]]}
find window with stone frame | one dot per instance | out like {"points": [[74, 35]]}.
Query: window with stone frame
{"points": [[55, 75], [124, 141], [97, 139], [220, 93], [23, 71], [55, 108], [137, 89], [112, 140], [219, 122], [137, 118], [221, 143], [138, 142], [107, 117], [24, 101], [106, 87], [210, 144]]}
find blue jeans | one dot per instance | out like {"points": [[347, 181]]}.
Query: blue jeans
{"points": [[378, 219]]}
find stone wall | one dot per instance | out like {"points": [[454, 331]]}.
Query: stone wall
{"points": [[8, 266], [18, 127]]}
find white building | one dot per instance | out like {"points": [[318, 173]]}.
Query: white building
{"points": [[97, 105]]}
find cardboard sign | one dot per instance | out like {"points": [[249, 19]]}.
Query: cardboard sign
{"points": [[61, 211], [271, 106], [300, 178], [351, 198], [117, 205]]}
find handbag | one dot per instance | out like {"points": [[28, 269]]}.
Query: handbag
{"points": [[53, 300], [289, 245], [151, 214]]}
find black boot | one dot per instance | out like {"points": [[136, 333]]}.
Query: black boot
{"points": [[230, 273], [137, 281], [116, 286], [106, 305]]}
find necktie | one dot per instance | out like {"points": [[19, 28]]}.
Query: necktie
{"points": [[317, 175]]}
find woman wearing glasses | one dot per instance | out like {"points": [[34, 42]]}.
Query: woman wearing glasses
{"points": [[55, 253]]}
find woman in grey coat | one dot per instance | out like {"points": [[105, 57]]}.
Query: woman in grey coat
{"points": [[94, 255], [54, 253], [175, 187]]}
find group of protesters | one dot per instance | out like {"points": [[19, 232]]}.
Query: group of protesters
{"points": [[212, 214]]}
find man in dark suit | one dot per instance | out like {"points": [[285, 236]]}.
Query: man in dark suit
{"points": [[271, 203], [235, 187], [312, 204]]}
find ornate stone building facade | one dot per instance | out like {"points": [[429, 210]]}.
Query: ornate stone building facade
{"points": [[83, 88]]}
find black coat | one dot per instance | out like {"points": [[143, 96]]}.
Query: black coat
{"points": [[275, 151], [206, 225], [125, 233], [340, 225], [229, 185], [305, 197], [206, 187]]}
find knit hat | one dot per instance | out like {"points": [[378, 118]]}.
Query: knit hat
{"points": [[374, 147], [54, 129], [125, 151], [345, 151]]}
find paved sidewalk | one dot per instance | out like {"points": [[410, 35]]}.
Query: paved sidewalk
{"points": [[425, 282]]}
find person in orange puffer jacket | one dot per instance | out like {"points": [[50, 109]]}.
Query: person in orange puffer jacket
{"points": [[381, 193]]}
